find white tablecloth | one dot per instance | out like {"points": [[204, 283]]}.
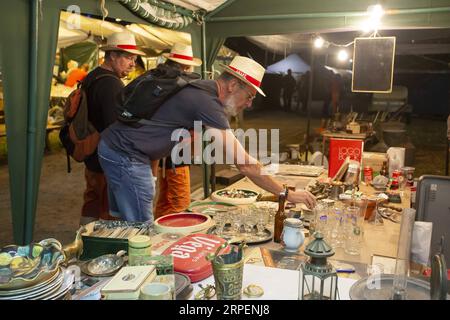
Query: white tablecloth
{"points": [[278, 284]]}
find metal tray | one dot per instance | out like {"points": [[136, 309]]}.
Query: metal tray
{"points": [[103, 266], [183, 287], [211, 207], [416, 289], [249, 239]]}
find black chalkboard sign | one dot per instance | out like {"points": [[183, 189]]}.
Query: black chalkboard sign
{"points": [[373, 64]]}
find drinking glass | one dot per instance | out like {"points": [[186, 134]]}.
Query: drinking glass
{"points": [[261, 221], [354, 230], [249, 221], [337, 226], [221, 220], [236, 220]]}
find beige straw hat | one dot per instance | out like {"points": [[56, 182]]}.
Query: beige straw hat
{"points": [[247, 70], [182, 53], [122, 41]]}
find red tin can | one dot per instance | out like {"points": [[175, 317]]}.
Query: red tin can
{"points": [[396, 174], [368, 174], [395, 179], [189, 255]]}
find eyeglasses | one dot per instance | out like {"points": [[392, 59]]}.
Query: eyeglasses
{"points": [[250, 96]]}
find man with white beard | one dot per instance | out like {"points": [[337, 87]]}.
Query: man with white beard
{"points": [[125, 152]]}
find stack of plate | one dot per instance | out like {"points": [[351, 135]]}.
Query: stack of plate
{"points": [[54, 288]]}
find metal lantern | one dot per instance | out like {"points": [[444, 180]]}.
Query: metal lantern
{"points": [[318, 277]]}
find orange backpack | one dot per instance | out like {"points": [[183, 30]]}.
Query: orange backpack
{"points": [[78, 135]]}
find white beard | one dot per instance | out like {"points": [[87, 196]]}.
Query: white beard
{"points": [[230, 107]]}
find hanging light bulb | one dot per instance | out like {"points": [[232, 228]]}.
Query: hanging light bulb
{"points": [[375, 12], [342, 55], [319, 42]]}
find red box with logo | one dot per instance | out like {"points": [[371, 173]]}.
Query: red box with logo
{"points": [[189, 254], [340, 149]]}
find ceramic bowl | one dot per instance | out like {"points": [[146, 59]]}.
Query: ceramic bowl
{"points": [[24, 266]]}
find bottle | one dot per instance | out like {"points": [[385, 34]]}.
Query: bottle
{"points": [[384, 170], [280, 216], [352, 175]]}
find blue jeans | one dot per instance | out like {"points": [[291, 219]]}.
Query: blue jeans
{"points": [[130, 183]]}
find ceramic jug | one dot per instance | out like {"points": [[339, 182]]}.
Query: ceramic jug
{"points": [[292, 234]]}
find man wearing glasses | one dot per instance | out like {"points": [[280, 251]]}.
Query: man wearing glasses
{"points": [[125, 152], [103, 85]]}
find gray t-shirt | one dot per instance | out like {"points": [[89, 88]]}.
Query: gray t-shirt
{"points": [[150, 142]]}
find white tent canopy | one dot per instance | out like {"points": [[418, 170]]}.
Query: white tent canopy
{"points": [[67, 37], [293, 62], [75, 28]]}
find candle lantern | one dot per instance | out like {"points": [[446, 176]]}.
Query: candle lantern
{"points": [[318, 278]]}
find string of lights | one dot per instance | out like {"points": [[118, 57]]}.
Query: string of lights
{"points": [[375, 12]]}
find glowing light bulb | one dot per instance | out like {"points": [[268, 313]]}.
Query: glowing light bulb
{"points": [[376, 11], [318, 42], [342, 55]]}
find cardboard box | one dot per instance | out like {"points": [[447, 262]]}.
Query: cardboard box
{"points": [[373, 160], [340, 149], [94, 247], [127, 283]]}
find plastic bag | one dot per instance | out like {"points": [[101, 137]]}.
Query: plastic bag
{"points": [[421, 242]]}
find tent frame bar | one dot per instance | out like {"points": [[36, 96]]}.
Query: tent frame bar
{"points": [[219, 8], [325, 15]]}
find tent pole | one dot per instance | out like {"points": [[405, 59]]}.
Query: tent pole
{"points": [[31, 126], [447, 156], [308, 107], [206, 169]]}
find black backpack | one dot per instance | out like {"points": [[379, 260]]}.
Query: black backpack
{"points": [[142, 97]]}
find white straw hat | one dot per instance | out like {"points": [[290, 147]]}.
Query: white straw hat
{"points": [[247, 70], [122, 41], [182, 53]]}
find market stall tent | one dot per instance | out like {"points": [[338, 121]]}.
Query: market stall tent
{"points": [[293, 62], [28, 53]]}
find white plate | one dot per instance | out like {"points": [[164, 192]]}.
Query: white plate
{"points": [[17, 292], [64, 288], [35, 294]]}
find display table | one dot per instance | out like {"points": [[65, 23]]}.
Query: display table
{"points": [[282, 282], [378, 239]]}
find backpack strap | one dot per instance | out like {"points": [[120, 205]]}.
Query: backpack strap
{"points": [[87, 84], [182, 82]]}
